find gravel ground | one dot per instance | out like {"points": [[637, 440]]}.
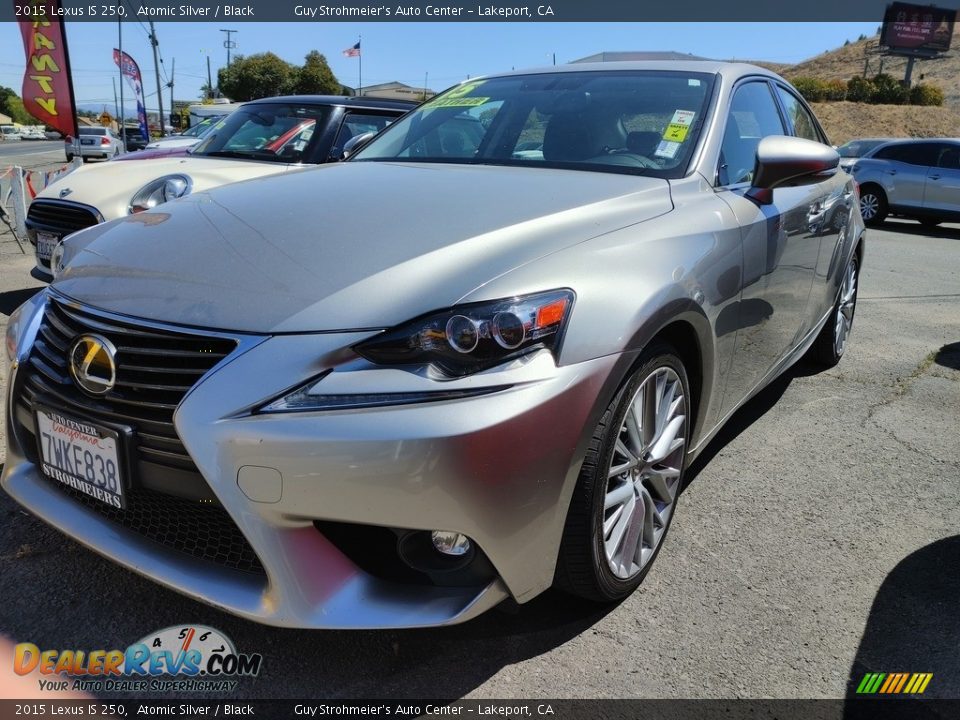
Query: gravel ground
{"points": [[817, 540]]}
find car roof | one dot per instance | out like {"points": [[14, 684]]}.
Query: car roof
{"points": [[340, 100], [729, 70]]}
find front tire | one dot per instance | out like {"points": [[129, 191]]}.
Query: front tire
{"points": [[831, 343], [629, 482], [873, 204]]}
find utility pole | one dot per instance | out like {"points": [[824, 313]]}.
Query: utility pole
{"points": [[156, 69], [228, 43], [173, 70], [209, 80], [116, 105]]}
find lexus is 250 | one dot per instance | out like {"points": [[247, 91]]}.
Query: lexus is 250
{"points": [[470, 363]]}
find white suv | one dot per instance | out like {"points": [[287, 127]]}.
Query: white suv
{"points": [[94, 142]]}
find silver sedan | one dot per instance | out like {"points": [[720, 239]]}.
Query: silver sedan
{"points": [[469, 364]]}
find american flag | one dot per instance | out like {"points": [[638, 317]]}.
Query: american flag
{"points": [[352, 51]]}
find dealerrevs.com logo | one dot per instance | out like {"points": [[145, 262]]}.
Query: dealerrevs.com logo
{"points": [[191, 658]]}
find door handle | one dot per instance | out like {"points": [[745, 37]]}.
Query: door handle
{"points": [[933, 177], [890, 172]]}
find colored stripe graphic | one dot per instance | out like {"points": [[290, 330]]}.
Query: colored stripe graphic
{"points": [[894, 683]]}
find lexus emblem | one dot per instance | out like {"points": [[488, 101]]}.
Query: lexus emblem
{"points": [[93, 364], [65, 192]]}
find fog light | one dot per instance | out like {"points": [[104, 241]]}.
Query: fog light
{"points": [[450, 543]]}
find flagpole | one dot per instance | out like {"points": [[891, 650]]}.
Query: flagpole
{"points": [[73, 99], [123, 125], [360, 58]]}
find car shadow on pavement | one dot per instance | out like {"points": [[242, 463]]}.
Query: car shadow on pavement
{"points": [[913, 628], [12, 299], [911, 227], [948, 356]]}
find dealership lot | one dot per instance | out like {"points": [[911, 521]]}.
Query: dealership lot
{"points": [[817, 540]]}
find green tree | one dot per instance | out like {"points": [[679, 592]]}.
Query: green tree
{"points": [[12, 105], [889, 91], [316, 77], [256, 76], [860, 89], [924, 94]]}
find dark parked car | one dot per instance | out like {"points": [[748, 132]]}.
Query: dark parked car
{"points": [[917, 179], [135, 141]]}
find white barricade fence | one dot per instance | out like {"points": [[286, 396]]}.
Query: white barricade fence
{"points": [[18, 188]]}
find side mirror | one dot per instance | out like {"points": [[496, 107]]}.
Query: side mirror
{"points": [[355, 143], [788, 162]]}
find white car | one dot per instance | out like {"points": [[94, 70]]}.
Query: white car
{"points": [[263, 137], [95, 142], [9, 132]]}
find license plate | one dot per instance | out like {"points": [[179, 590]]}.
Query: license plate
{"points": [[81, 455], [86, 142], [46, 242]]}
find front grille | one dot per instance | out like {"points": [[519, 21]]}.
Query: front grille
{"points": [[60, 217], [204, 531], [169, 502]]}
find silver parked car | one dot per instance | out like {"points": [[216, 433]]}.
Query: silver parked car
{"points": [[470, 363], [917, 179], [95, 142]]}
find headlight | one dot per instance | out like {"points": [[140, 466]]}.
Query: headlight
{"points": [[56, 260], [13, 332], [161, 190], [470, 338]]}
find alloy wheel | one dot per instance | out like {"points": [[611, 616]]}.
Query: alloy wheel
{"points": [[846, 305], [643, 478], [869, 206]]}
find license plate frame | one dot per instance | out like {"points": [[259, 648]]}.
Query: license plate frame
{"points": [[46, 242], [100, 488], [86, 141]]}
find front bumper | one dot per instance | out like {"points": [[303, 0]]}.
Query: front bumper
{"points": [[498, 467]]}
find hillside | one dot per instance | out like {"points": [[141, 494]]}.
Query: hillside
{"points": [[847, 61], [845, 120]]}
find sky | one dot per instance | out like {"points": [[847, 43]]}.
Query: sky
{"points": [[440, 54]]}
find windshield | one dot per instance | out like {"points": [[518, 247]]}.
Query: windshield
{"points": [[201, 127], [858, 148], [643, 122], [278, 132]]}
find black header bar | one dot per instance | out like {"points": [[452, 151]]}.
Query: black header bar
{"points": [[732, 11]]}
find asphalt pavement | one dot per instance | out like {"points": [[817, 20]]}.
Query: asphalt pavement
{"points": [[817, 540]]}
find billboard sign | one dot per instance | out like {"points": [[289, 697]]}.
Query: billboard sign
{"points": [[920, 29]]}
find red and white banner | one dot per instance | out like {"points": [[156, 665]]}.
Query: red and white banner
{"points": [[131, 71], [47, 90]]}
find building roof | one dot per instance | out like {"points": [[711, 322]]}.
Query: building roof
{"points": [[5, 119], [637, 55]]}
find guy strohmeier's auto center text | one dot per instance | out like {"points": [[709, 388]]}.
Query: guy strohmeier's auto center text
{"points": [[407, 11]]}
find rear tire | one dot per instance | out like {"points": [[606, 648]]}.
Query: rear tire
{"points": [[873, 204], [629, 483]]}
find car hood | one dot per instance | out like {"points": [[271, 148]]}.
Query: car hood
{"points": [[345, 246], [173, 142], [109, 186]]}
